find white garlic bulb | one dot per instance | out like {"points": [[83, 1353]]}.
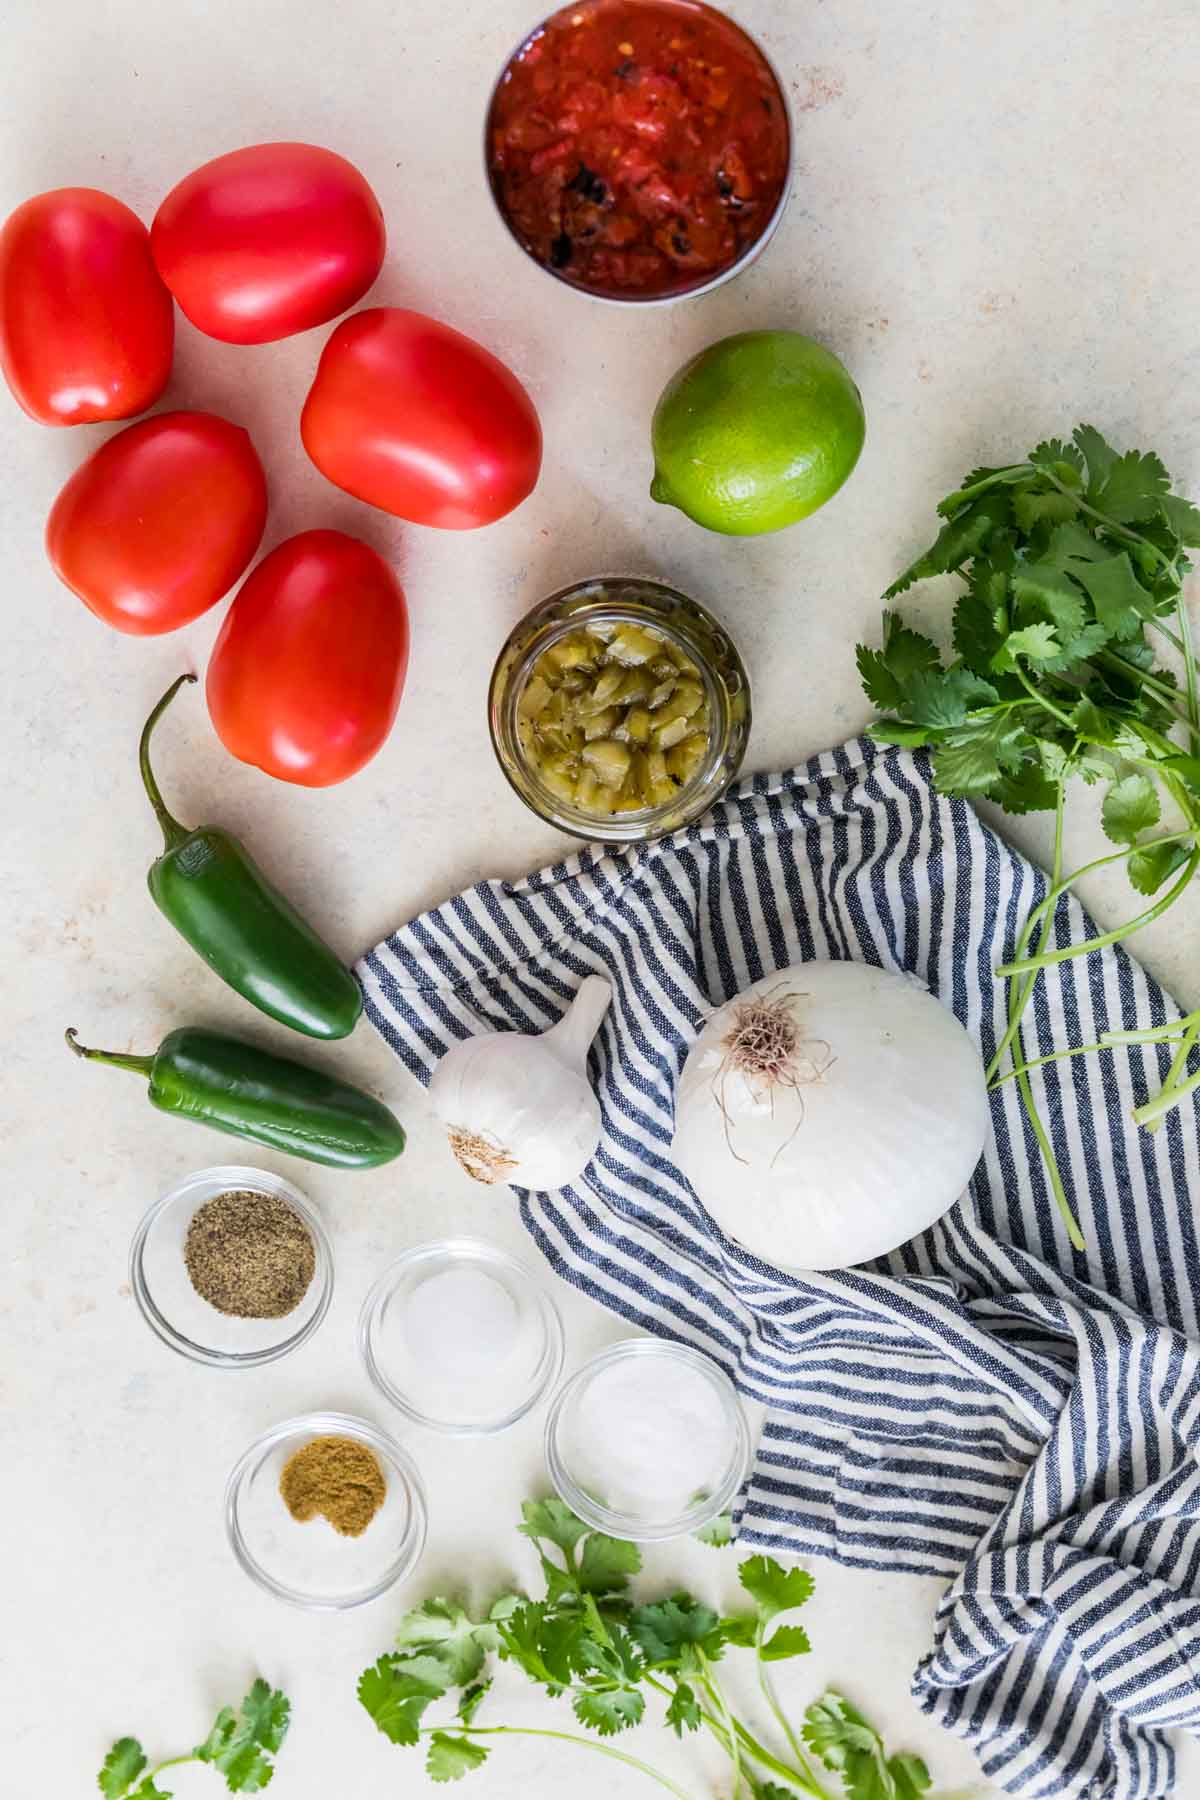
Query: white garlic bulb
{"points": [[520, 1108]]}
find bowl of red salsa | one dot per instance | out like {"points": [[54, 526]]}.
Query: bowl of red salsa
{"points": [[640, 150]]}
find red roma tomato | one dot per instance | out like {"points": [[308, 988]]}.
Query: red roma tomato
{"points": [[415, 418], [268, 241], [160, 521], [308, 669], [87, 328]]}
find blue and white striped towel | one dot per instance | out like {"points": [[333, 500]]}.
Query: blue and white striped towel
{"points": [[985, 1404]]}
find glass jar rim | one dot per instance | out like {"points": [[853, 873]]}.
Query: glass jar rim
{"points": [[622, 597]]}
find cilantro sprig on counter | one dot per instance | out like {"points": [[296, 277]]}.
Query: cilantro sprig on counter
{"points": [[1074, 563], [588, 1643], [240, 1744]]}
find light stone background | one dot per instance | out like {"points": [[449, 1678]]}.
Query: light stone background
{"points": [[994, 224]]}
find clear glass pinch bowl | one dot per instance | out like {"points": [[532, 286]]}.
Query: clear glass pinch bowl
{"points": [[180, 1316], [310, 1564], [444, 1378]]}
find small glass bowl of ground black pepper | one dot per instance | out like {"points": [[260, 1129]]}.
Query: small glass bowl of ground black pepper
{"points": [[326, 1511], [232, 1268]]}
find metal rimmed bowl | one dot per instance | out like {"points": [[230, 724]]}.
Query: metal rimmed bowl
{"points": [[616, 600], [309, 1564], [750, 251], [464, 1389], [185, 1321], [585, 1471]]}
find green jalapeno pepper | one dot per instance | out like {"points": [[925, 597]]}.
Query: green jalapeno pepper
{"points": [[210, 888], [247, 1092]]}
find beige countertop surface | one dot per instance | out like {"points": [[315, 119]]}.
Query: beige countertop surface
{"points": [[994, 225]]}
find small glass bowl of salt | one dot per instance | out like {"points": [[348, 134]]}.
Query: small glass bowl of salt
{"points": [[648, 1441], [461, 1337]]}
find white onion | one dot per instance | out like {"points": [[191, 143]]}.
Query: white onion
{"points": [[829, 1113]]}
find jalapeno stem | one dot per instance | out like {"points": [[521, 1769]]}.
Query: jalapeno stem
{"points": [[140, 1065], [173, 832]]}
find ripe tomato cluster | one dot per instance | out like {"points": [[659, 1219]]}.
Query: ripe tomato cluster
{"points": [[164, 518]]}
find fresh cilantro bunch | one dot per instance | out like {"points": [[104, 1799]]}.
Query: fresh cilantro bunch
{"points": [[1074, 562], [587, 1642], [241, 1745]]}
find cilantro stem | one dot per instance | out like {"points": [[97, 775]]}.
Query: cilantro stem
{"points": [[1162, 1102], [1189, 668], [1046, 705], [757, 1751], [171, 1762], [1045, 959], [1017, 1002], [563, 1737], [767, 1687], [1170, 1087]]}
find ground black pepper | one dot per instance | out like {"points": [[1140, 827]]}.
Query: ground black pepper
{"points": [[249, 1255]]}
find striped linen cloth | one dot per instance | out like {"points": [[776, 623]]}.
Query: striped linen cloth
{"points": [[984, 1405]]}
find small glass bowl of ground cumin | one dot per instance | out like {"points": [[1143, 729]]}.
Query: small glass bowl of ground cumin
{"points": [[232, 1268], [326, 1511]]}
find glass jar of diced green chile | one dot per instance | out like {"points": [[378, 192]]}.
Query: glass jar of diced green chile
{"points": [[619, 709]]}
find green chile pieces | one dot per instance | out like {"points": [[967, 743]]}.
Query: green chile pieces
{"points": [[237, 1088], [210, 888]]}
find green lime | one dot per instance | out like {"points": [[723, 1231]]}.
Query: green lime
{"points": [[755, 432]]}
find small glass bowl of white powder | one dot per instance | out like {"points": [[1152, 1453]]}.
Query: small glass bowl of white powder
{"points": [[648, 1440], [461, 1337]]}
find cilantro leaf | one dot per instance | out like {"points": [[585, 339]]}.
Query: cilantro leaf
{"points": [[1120, 600], [607, 1563], [1182, 518], [1027, 789], [977, 635], [1132, 488], [683, 1710], [610, 1711], [266, 1715], [893, 731], [122, 1766], [664, 1629], [771, 1790], [471, 1699], [1037, 643], [843, 1740], [1130, 807], [972, 761], [552, 1520], [940, 698], [773, 1588], [961, 538], [443, 1629], [1036, 506], [788, 1640], [396, 1691], [148, 1789], [1063, 460], [910, 1775], [241, 1747], [451, 1756], [1047, 593], [1152, 865], [245, 1766], [1097, 453], [717, 1533], [886, 673]]}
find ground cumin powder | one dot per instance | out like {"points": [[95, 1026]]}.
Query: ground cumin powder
{"points": [[337, 1478]]}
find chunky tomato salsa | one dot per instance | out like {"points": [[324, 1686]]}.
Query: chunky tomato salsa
{"points": [[638, 147]]}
